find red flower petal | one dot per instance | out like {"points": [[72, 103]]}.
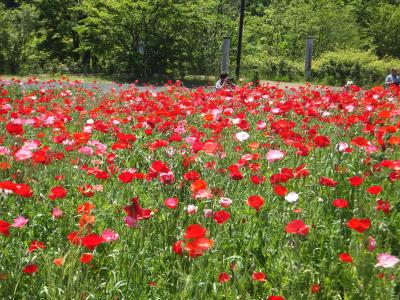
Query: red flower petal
{"points": [[359, 225], [297, 227], [194, 231]]}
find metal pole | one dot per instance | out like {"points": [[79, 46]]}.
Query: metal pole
{"points": [[225, 55], [239, 48], [308, 61]]}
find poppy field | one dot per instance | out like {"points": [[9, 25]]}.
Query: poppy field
{"points": [[257, 193]]}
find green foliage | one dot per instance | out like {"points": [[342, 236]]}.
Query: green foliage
{"points": [[362, 68], [385, 30], [17, 36], [175, 38], [375, 71], [340, 66], [278, 68]]}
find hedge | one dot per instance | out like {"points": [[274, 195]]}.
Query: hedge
{"points": [[333, 68]]}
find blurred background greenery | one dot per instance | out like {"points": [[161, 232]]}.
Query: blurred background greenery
{"points": [[125, 40]]}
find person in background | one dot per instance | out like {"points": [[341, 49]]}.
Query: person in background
{"points": [[392, 78], [224, 82], [348, 85]]}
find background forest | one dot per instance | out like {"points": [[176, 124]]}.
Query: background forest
{"points": [[353, 39]]}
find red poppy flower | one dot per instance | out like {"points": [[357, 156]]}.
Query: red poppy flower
{"points": [[383, 206], [30, 269], [275, 298], [85, 208], [198, 185], [340, 203], [175, 137], [125, 177], [194, 231], [221, 216], [59, 261], [177, 247], [40, 156], [280, 190], [86, 221], [14, 129], [5, 228], [359, 225], [36, 245], [297, 227], [315, 288], [281, 177], [259, 276], [360, 141], [74, 238], [374, 190], [255, 202], [321, 141], [328, 182], [223, 277], [356, 180], [136, 212], [86, 190], [199, 244], [191, 176], [235, 173], [86, 258], [345, 257], [91, 241], [210, 147], [23, 190], [159, 167], [257, 179], [57, 192]]}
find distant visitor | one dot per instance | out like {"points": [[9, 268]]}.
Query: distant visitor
{"points": [[224, 82], [392, 78]]}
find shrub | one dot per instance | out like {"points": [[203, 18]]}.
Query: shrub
{"points": [[363, 68], [339, 66], [272, 67]]}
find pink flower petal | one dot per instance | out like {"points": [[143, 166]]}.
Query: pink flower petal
{"points": [[109, 236], [20, 222], [385, 260], [274, 155]]}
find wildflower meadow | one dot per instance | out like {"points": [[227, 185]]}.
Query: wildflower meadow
{"points": [[260, 192]]}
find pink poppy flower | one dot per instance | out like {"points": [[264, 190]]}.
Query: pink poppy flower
{"points": [[109, 236], [171, 203], [191, 209], [225, 202], [242, 136], [371, 244], [20, 222], [57, 213], [86, 150], [4, 150], [274, 155], [208, 213], [23, 154], [385, 260]]}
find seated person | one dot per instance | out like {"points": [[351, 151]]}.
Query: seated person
{"points": [[392, 78], [224, 82]]}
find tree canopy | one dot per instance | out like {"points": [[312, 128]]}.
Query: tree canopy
{"points": [[178, 37]]}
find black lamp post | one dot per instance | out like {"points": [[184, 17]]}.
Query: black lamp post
{"points": [[239, 48]]}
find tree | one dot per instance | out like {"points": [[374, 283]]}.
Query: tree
{"points": [[385, 30], [17, 34]]}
